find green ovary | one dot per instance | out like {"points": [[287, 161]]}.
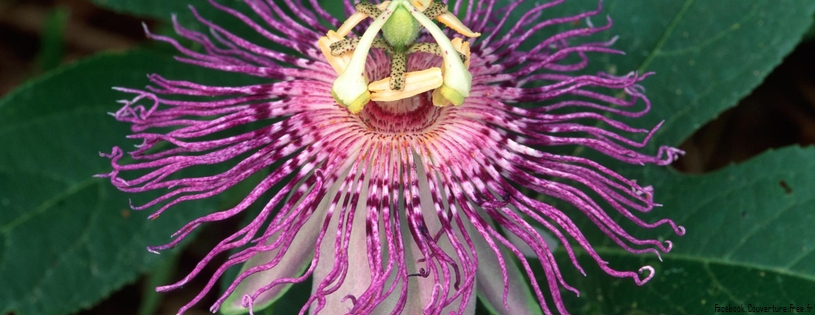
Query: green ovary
{"points": [[401, 29]]}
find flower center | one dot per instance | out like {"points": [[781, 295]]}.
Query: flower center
{"points": [[405, 116], [413, 115], [400, 22]]}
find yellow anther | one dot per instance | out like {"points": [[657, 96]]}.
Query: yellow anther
{"points": [[416, 82], [439, 99], [339, 63], [464, 48], [452, 95], [453, 22], [444, 96], [358, 103]]}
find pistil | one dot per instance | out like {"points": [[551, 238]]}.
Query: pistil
{"points": [[399, 21]]}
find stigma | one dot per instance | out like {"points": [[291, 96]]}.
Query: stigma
{"points": [[400, 23]]}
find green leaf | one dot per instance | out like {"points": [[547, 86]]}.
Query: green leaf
{"points": [[69, 239], [757, 213], [707, 55], [712, 54], [749, 241]]}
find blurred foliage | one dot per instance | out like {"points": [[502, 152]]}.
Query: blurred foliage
{"points": [[53, 40]]}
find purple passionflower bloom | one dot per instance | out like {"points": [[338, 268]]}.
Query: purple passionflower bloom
{"points": [[410, 174]]}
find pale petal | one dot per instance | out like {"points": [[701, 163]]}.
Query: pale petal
{"points": [[294, 262], [520, 299], [358, 277], [426, 285]]}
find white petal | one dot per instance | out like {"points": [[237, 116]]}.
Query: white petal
{"points": [[294, 262], [425, 285], [358, 278], [520, 300]]}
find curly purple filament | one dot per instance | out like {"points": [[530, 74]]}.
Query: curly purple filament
{"points": [[395, 210]]}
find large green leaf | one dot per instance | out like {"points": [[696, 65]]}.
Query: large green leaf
{"points": [[749, 241], [70, 239], [757, 213], [707, 55]]}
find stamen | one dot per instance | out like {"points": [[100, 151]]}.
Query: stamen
{"points": [[463, 49], [457, 78], [434, 10], [368, 9], [344, 46], [416, 82], [432, 48], [351, 87], [338, 62], [350, 44], [451, 21], [400, 22], [398, 70]]}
